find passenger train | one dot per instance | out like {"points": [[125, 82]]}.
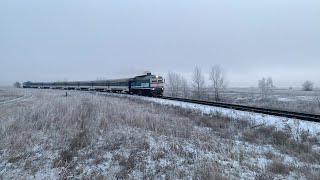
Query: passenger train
{"points": [[146, 85]]}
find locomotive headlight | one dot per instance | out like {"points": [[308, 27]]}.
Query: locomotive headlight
{"points": [[152, 89], [157, 76]]}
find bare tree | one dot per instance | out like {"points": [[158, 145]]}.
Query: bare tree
{"points": [[269, 83], [184, 87], [17, 85], [219, 82], [198, 83], [265, 86], [174, 84], [307, 86]]}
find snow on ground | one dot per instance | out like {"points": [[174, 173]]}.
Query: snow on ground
{"points": [[281, 122], [285, 99], [10, 94], [88, 136], [295, 98]]}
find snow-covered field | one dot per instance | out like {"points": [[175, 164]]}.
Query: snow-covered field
{"points": [[261, 119], [94, 136], [286, 99]]}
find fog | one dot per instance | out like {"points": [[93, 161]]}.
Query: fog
{"points": [[89, 40]]}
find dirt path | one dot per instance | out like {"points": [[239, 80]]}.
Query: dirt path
{"points": [[19, 99]]}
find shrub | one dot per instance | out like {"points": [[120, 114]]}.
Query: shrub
{"points": [[208, 171], [64, 158], [264, 176], [279, 137], [278, 167], [307, 86], [17, 85]]}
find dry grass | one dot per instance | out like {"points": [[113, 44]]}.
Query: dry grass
{"points": [[282, 140], [265, 176], [132, 139], [9, 94], [312, 174], [208, 171], [278, 167]]}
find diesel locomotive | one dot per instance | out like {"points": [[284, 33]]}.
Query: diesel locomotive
{"points": [[146, 85]]}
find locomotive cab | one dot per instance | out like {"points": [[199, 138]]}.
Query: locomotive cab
{"points": [[156, 85], [26, 84]]}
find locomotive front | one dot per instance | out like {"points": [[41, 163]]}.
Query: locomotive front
{"points": [[157, 86], [26, 84]]}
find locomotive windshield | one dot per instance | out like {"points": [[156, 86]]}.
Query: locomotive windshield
{"points": [[157, 79]]}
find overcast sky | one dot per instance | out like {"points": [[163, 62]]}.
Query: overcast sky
{"points": [[86, 40]]}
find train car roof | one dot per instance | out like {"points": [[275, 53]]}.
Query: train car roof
{"points": [[145, 76]]}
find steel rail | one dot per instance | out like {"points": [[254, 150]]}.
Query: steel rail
{"points": [[281, 113]]}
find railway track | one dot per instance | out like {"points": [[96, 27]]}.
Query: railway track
{"points": [[288, 114]]}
